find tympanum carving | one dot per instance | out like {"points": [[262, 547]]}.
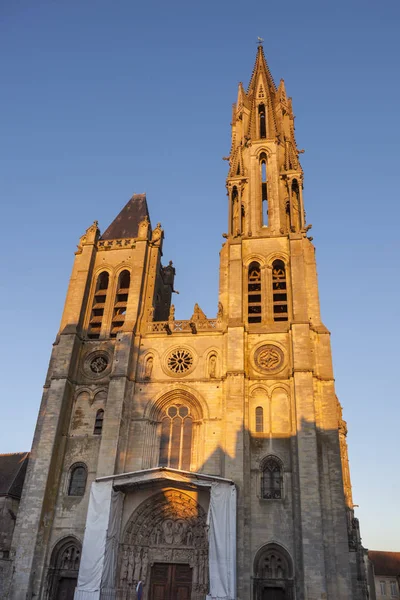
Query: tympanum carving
{"points": [[169, 527]]}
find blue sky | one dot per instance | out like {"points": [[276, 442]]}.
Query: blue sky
{"points": [[101, 99]]}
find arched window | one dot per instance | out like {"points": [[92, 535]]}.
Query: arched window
{"points": [[98, 424], [254, 293], [261, 120], [271, 479], [279, 291], [176, 437], [99, 302], [264, 188], [259, 419], [120, 302], [77, 480]]}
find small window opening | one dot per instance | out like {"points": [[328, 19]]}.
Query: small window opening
{"points": [[98, 424], [120, 304], [99, 302], [279, 291], [261, 117], [254, 293], [259, 419], [271, 480], [77, 482], [264, 189]]}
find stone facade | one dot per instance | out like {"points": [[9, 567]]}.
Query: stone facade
{"points": [[247, 395]]}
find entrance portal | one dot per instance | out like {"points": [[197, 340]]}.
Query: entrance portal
{"points": [[170, 582]]}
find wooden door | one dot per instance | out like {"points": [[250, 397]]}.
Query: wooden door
{"points": [[66, 588], [272, 593], [170, 582]]}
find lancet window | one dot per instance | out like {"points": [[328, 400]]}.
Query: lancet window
{"points": [[271, 479], [99, 302], [279, 291], [77, 481], [236, 212], [254, 293], [261, 120], [120, 302], [176, 437], [98, 424], [259, 419], [264, 188]]}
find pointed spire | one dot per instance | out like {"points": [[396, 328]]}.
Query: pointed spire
{"points": [[261, 68]]}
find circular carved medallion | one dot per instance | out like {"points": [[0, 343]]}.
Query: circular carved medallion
{"points": [[180, 361], [269, 358], [97, 364]]}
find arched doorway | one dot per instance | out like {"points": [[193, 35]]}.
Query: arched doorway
{"points": [[273, 574], [64, 568], [165, 546]]}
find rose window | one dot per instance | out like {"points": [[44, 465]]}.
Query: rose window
{"points": [[180, 361]]}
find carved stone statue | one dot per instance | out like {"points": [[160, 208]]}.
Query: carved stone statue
{"points": [[158, 234], [151, 313], [198, 315], [171, 316], [212, 366], [149, 367], [143, 229], [236, 216]]}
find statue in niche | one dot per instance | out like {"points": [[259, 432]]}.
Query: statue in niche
{"points": [[212, 367], [151, 313], [295, 207], [149, 367], [236, 216]]}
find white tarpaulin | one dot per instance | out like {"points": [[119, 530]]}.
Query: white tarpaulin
{"points": [[100, 543], [101, 540], [222, 541]]}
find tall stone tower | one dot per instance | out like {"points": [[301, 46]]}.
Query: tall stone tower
{"points": [[199, 457]]}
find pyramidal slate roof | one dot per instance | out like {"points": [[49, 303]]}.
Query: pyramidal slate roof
{"points": [[385, 563], [12, 473], [126, 224]]}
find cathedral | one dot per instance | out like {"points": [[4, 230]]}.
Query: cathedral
{"points": [[201, 458]]}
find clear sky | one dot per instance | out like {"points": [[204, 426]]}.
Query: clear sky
{"points": [[104, 98]]}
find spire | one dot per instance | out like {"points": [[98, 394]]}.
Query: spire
{"points": [[261, 70]]}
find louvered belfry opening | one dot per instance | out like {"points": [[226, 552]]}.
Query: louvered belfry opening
{"points": [[99, 302], [279, 291], [254, 293], [120, 304], [264, 189]]}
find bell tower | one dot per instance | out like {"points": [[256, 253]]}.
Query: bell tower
{"points": [[279, 368]]}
